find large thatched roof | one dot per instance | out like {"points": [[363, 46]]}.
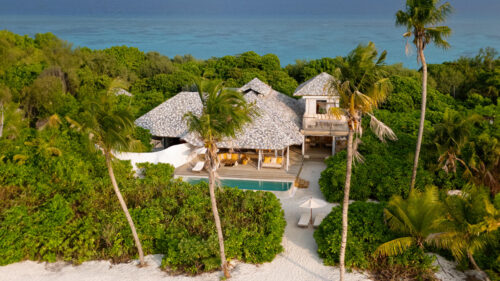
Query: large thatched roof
{"points": [[319, 85], [276, 126]]}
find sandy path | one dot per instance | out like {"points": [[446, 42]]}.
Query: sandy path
{"points": [[299, 261]]}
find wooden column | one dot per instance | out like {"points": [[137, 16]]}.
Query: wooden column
{"points": [[303, 145], [260, 159], [287, 157], [333, 145]]}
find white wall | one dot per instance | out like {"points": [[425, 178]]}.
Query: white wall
{"points": [[176, 155]]}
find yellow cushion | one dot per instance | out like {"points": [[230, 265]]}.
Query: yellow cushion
{"points": [[224, 156], [234, 157], [280, 160], [267, 159]]}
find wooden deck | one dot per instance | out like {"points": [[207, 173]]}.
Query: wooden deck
{"points": [[249, 171]]}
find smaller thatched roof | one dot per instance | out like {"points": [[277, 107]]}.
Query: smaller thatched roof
{"points": [[257, 86], [166, 120], [121, 92], [319, 85]]}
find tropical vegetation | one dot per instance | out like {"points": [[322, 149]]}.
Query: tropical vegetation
{"points": [[421, 18], [361, 86], [56, 195], [224, 113]]}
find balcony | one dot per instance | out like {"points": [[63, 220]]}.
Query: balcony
{"points": [[324, 125]]}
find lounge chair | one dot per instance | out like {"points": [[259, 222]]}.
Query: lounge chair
{"points": [[305, 219], [198, 166], [272, 162], [318, 219]]}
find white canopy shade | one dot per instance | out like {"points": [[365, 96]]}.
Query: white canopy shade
{"points": [[313, 203]]}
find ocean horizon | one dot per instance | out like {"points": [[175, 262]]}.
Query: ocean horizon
{"points": [[291, 38]]}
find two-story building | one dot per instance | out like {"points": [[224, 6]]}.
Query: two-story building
{"points": [[322, 132], [282, 125]]}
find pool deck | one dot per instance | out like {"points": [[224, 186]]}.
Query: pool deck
{"points": [[249, 171]]}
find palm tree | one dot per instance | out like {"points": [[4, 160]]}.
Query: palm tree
{"points": [[224, 114], [451, 135], [362, 89], [419, 217], [5, 97], [420, 18], [110, 130], [472, 221]]}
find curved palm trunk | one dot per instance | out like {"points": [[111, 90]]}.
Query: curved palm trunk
{"points": [[1, 121], [422, 114], [475, 266], [125, 209], [211, 158], [345, 205]]}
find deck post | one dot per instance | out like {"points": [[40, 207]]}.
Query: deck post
{"points": [[333, 145], [260, 159], [282, 158], [287, 157], [303, 145]]}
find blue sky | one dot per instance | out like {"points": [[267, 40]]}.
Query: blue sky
{"points": [[463, 8]]}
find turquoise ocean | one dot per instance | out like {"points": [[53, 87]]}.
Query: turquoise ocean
{"points": [[289, 37]]}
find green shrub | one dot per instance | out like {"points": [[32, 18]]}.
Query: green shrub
{"points": [[366, 232], [64, 208]]}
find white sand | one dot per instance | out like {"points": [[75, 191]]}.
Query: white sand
{"points": [[299, 261]]}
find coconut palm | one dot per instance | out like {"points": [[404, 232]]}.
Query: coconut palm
{"points": [[421, 18], [418, 217], [110, 130], [472, 221], [361, 86], [224, 113], [5, 97], [450, 137]]}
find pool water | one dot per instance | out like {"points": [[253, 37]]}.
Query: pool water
{"points": [[247, 184]]}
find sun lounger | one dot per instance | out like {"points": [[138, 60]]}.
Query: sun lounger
{"points": [[198, 166], [305, 219], [318, 219]]}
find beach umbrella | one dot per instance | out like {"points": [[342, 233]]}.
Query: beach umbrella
{"points": [[312, 203]]}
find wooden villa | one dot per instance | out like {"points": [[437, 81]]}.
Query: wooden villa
{"points": [[284, 131]]}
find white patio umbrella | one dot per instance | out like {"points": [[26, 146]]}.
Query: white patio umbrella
{"points": [[312, 203]]}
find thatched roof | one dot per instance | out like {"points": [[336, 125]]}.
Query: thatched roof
{"points": [[257, 86], [319, 85], [166, 120], [276, 126]]}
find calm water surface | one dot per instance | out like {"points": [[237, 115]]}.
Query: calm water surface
{"points": [[290, 38]]}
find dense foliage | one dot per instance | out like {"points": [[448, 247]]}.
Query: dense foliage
{"points": [[67, 211], [392, 161], [55, 196], [367, 231]]}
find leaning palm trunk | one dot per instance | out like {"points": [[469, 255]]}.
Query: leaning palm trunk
{"points": [[345, 205], [475, 266], [1, 121], [125, 209], [422, 113], [211, 158]]}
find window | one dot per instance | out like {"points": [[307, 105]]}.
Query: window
{"points": [[321, 107]]}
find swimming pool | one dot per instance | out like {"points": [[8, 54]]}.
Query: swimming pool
{"points": [[246, 184]]}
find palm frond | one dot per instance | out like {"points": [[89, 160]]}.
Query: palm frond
{"points": [[381, 130], [395, 247]]}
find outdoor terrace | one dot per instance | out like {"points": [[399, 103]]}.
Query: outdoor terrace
{"points": [[249, 171]]}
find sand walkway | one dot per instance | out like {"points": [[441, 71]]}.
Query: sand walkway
{"points": [[299, 261]]}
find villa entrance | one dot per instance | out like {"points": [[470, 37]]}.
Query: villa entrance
{"points": [[321, 147]]}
